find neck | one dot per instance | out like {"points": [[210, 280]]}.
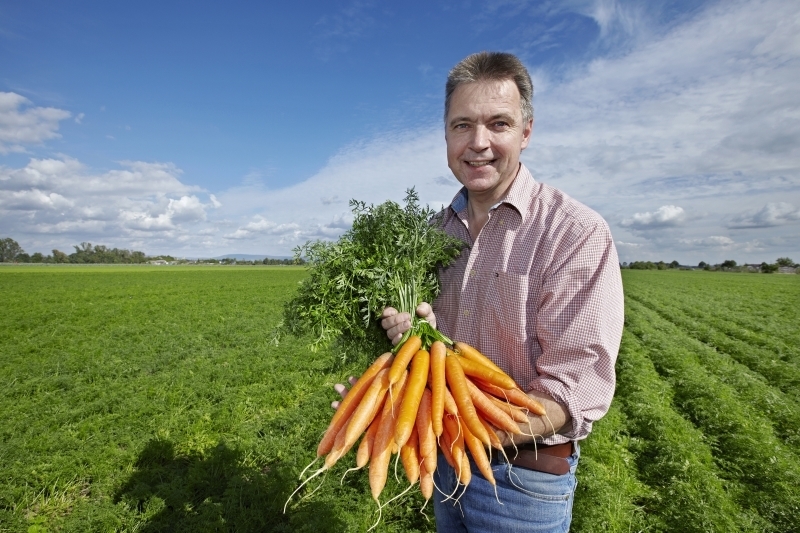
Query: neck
{"points": [[479, 205]]}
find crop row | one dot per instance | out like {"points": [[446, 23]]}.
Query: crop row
{"points": [[746, 447], [760, 310], [778, 356], [674, 457], [783, 374], [609, 493], [776, 394]]}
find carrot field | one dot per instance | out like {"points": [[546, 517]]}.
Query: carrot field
{"points": [[154, 399]]}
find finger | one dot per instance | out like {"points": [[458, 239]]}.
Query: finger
{"points": [[396, 332], [394, 319], [352, 380], [335, 405], [388, 311], [341, 389], [425, 311]]}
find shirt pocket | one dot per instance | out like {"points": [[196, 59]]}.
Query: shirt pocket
{"points": [[512, 298]]}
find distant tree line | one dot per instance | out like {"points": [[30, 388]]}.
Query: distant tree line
{"points": [[86, 253], [729, 265], [649, 265], [11, 251]]}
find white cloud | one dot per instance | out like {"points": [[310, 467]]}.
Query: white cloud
{"points": [[664, 216], [716, 241], [260, 226], [22, 125], [374, 171], [186, 209], [702, 108], [33, 199], [771, 215], [63, 197], [699, 116]]}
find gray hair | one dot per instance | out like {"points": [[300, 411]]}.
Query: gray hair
{"points": [[492, 66]]}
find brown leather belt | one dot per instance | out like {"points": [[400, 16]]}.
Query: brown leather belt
{"points": [[549, 459]]}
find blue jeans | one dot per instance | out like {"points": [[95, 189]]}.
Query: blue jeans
{"points": [[531, 501]]}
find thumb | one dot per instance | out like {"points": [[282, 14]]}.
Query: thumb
{"points": [[424, 310]]}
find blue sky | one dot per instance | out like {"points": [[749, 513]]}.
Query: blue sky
{"points": [[203, 128]]}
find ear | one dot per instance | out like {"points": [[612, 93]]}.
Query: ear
{"points": [[527, 131]]}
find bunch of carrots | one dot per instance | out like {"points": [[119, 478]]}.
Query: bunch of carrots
{"points": [[418, 401]]}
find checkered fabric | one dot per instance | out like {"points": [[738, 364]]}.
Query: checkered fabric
{"points": [[540, 293]]}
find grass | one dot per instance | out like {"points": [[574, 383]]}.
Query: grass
{"points": [[152, 399]]}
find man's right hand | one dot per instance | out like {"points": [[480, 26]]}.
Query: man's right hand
{"points": [[396, 323]]}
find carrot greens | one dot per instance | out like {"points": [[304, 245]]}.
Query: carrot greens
{"points": [[389, 257]]}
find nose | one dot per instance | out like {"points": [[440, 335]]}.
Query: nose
{"points": [[480, 139]]}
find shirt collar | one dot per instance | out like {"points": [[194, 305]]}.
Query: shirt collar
{"points": [[518, 195]]}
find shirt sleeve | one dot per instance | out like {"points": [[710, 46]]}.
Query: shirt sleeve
{"points": [[579, 326]]}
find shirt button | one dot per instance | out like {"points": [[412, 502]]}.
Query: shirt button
{"points": [[466, 313], [502, 222]]}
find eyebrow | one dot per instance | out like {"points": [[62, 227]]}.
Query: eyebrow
{"points": [[500, 116]]}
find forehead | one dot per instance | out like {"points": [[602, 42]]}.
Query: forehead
{"points": [[490, 97]]}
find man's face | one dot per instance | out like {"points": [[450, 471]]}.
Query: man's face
{"points": [[485, 135]]}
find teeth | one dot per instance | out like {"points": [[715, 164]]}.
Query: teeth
{"points": [[478, 163]]}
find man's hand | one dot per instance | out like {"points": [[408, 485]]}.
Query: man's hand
{"points": [[396, 323], [342, 390], [558, 420]]}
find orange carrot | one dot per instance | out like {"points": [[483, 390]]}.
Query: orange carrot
{"points": [[445, 445], [493, 438], [516, 413], [403, 357], [465, 475], [453, 425], [365, 448], [475, 447], [337, 450], [427, 437], [487, 374], [367, 409], [407, 416], [515, 396], [465, 350], [437, 384], [351, 401], [457, 382], [490, 411], [450, 406], [382, 447], [409, 455], [425, 482]]}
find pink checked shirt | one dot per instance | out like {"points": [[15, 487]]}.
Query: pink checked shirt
{"points": [[539, 292]]}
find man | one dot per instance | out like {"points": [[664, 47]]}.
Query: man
{"points": [[537, 290]]}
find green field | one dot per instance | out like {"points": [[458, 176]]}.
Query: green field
{"points": [[152, 399]]}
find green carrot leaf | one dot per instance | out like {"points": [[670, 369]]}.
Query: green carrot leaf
{"points": [[390, 257]]}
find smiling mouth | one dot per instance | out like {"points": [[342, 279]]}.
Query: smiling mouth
{"points": [[479, 163]]}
